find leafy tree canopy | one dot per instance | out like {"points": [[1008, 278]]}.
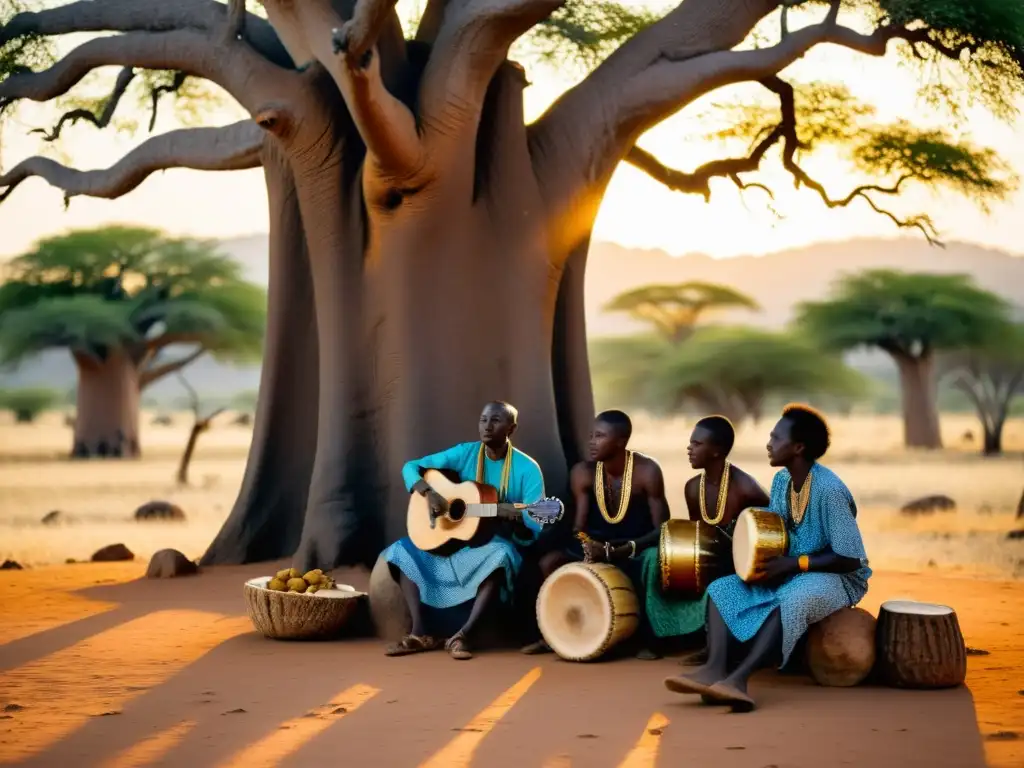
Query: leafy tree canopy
{"points": [[674, 310], [131, 289], [904, 314]]}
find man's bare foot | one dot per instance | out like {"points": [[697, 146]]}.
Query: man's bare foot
{"points": [[411, 644], [726, 693], [458, 647], [698, 681], [535, 648]]}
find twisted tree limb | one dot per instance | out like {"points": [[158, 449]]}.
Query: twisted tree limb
{"points": [[124, 79], [154, 373], [143, 16], [233, 147], [160, 90], [472, 42], [237, 68]]}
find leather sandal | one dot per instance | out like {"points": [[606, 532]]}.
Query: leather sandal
{"points": [[458, 648], [411, 644]]}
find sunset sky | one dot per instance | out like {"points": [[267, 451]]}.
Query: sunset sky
{"points": [[636, 212]]}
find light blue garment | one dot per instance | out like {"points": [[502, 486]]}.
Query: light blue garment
{"points": [[445, 582], [806, 598]]}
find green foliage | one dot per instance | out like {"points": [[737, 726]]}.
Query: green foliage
{"points": [[128, 288], [32, 51], [735, 369], [28, 403], [675, 310], [731, 370], [904, 313], [585, 31]]}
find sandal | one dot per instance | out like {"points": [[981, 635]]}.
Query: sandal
{"points": [[458, 648], [411, 644]]}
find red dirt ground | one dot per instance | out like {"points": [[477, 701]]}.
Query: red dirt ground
{"points": [[101, 668]]}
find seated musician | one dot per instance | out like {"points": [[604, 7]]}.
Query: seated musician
{"points": [[722, 490], [620, 506], [716, 496], [481, 574], [824, 570]]}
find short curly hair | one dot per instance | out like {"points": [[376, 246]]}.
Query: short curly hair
{"points": [[721, 430], [809, 427]]}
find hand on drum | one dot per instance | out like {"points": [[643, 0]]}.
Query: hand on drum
{"points": [[594, 551], [778, 569]]}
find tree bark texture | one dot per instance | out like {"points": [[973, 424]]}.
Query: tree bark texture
{"points": [[919, 396], [107, 407]]}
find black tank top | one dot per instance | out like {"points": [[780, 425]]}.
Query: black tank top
{"points": [[636, 522]]}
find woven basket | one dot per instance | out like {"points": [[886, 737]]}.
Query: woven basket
{"points": [[298, 616]]}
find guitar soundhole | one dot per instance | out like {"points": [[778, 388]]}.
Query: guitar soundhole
{"points": [[456, 510]]}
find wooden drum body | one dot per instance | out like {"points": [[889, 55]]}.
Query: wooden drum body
{"points": [[692, 554], [584, 609], [760, 536]]}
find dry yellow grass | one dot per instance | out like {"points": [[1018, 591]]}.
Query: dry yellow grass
{"points": [[100, 496]]}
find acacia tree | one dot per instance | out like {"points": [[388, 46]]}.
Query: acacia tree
{"points": [[912, 317], [675, 310], [121, 300], [991, 375], [402, 179]]}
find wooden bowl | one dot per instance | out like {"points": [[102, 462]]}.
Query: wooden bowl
{"points": [[298, 616]]}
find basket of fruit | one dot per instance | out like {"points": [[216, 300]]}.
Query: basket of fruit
{"points": [[293, 606]]}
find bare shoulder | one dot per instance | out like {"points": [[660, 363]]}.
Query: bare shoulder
{"points": [[692, 486], [646, 467], [582, 474], [745, 482]]}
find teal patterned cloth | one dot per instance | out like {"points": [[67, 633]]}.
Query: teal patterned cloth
{"points": [[669, 616], [829, 523]]}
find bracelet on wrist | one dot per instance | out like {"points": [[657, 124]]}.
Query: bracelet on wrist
{"points": [[632, 549], [804, 561]]}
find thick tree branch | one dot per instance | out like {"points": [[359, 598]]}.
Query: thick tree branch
{"points": [[232, 147], [124, 79], [432, 20], [143, 16], [386, 125], [472, 43], [160, 90], [236, 68], [149, 375]]}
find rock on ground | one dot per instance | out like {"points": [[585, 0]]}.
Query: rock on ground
{"points": [[159, 510], [11, 565], [928, 505], [112, 553], [170, 563]]}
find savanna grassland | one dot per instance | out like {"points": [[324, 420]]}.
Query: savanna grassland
{"points": [[97, 498]]}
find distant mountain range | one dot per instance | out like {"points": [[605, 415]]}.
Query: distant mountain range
{"points": [[778, 281]]}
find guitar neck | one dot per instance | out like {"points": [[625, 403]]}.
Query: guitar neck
{"points": [[491, 510]]}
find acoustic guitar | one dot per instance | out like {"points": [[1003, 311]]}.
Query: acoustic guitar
{"points": [[473, 515]]}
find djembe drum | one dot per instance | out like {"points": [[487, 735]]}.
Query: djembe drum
{"points": [[692, 554], [584, 609], [760, 536]]}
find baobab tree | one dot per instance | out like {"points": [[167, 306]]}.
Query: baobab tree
{"points": [[427, 246]]}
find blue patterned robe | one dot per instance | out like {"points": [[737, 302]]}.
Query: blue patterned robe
{"points": [[806, 598], [445, 582]]}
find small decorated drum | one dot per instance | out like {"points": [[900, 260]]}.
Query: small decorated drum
{"points": [[760, 536], [584, 609], [692, 554]]}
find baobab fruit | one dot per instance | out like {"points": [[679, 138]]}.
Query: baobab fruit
{"points": [[313, 589], [277, 585], [283, 575], [296, 585], [294, 573], [314, 577]]}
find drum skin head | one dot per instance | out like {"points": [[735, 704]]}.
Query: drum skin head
{"points": [[585, 609]]}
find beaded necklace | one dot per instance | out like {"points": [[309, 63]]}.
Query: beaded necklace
{"points": [[723, 496], [798, 501], [624, 493], [506, 469]]}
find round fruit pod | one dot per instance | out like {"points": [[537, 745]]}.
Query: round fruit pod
{"points": [[299, 616], [841, 648], [920, 645]]}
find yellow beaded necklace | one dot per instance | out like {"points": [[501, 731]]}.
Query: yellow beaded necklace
{"points": [[506, 470], [627, 485], [723, 496], [798, 501]]}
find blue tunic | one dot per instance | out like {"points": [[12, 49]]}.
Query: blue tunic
{"points": [[806, 598], [445, 582]]}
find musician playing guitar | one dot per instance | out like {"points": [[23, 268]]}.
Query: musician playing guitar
{"points": [[477, 574], [620, 507]]}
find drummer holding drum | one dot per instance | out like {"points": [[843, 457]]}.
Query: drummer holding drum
{"points": [[770, 603]]}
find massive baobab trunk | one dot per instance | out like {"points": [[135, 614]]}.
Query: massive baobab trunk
{"points": [[919, 395], [107, 407], [427, 246]]}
